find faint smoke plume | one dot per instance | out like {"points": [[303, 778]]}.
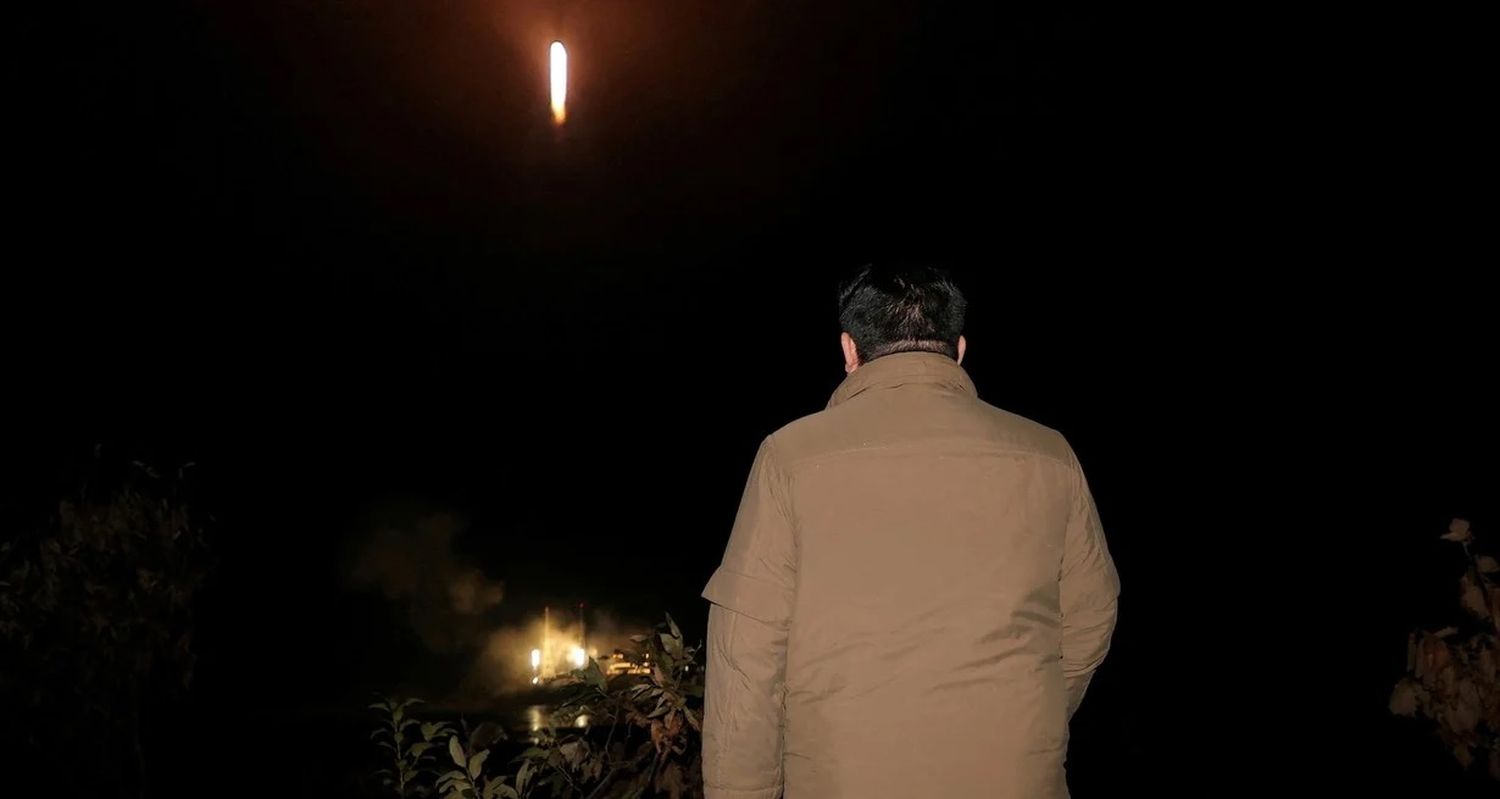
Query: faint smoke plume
{"points": [[446, 598], [452, 606]]}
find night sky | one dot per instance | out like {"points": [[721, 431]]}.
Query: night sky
{"points": [[337, 255]]}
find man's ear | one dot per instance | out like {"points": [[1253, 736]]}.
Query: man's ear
{"points": [[851, 353], [963, 345]]}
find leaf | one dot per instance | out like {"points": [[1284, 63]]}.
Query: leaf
{"points": [[1404, 699], [523, 777], [574, 752], [673, 646], [499, 790], [1472, 597], [417, 749], [1432, 657], [533, 753], [485, 735], [1463, 754], [1465, 707], [594, 677], [476, 764], [1458, 530], [456, 751]]}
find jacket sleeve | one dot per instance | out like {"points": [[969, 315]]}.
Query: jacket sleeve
{"points": [[752, 594], [1090, 588]]}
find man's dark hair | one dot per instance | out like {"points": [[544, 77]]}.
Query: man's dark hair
{"points": [[889, 309]]}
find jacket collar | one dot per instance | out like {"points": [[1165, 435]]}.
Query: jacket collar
{"points": [[901, 369]]}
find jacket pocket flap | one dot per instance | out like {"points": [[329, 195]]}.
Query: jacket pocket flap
{"points": [[759, 599]]}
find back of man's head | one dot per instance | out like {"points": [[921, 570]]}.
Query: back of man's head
{"points": [[888, 309]]}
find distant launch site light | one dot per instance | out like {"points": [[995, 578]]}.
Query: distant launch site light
{"points": [[559, 73], [536, 658], [578, 657]]}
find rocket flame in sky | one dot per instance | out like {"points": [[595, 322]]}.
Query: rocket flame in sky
{"points": [[559, 59]]}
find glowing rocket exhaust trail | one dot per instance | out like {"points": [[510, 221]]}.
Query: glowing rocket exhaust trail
{"points": [[559, 58]]}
